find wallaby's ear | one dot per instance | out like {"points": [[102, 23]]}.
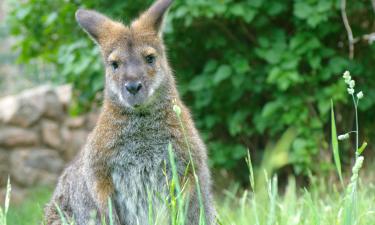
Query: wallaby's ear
{"points": [[153, 17], [94, 23]]}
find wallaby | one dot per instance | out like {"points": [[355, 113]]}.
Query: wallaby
{"points": [[125, 162]]}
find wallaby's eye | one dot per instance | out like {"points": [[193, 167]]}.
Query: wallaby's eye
{"points": [[150, 59], [114, 65]]}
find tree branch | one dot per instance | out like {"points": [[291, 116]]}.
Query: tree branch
{"points": [[369, 38], [348, 29]]}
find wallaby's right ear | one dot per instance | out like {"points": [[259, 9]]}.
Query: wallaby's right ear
{"points": [[94, 23]]}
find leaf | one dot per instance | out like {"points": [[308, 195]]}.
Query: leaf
{"points": [[210, 66], [181, 12], [22, 12], [271, 108], [255, 3], [198, 83], [236, 122], [238, 152], [97, 83], [249, 15], [241, 65], [238, 10], [222, 73], [274, 8], [302, 10], [283, 78], [238, 80], [272, 56], [362, 148], [51, 18], [335, 143]]}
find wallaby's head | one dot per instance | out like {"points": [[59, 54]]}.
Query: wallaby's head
{"points": [[134, 57]]}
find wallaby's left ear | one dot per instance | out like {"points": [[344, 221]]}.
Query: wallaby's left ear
{"points": [[153, 17], [95, 24]]}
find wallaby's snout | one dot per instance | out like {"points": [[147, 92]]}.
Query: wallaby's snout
{"points": [[133, 87], [134, 93]]}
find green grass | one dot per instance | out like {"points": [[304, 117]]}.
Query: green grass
{"points": [[30, 211], [321, 204]]}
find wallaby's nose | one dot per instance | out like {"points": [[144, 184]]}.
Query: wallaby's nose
{"points": [[133, 87]]}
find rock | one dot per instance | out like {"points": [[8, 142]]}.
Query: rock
{"points": [[27, 108], [36, 135], [8, 107], [73, 140], [53, 107], [4, 167], [64, 93], [75, 122], [14, 111], [17, 195], [12, 137], [51, 134], [92, 119], [35, 166]]}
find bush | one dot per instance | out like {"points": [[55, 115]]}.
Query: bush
{"points": [[248, 69]]}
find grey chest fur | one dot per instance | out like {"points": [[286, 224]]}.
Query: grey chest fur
{"points": [[140, 170]]}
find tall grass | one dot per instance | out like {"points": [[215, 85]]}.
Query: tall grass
{"points": [[4, 212], [321, 204]]}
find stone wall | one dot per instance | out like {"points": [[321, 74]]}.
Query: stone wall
{"points": [[38, 137]]}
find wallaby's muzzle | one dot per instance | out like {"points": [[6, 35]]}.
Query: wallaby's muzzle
{"points": [[134, 93], [133, 87]]}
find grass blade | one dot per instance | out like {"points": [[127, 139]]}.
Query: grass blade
{"points": [[251, 171], [272, 193], [2, 217], [313, 209], [61, 214], [110, 211], [335, 143], [3, 213]]}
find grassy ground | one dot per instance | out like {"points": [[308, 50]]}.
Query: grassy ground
{"points": [[31, 210], [321, 204]]}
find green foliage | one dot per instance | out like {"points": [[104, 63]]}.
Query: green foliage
{"points": [[248, 69]]}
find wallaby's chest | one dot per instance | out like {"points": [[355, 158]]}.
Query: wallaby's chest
{"points": [[140, 169], [139, 187]]}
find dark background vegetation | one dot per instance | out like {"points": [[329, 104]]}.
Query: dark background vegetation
{"points": [[249, 70]]}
